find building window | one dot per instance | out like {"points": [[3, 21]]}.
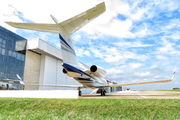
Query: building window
{"points": [[3, 51]]}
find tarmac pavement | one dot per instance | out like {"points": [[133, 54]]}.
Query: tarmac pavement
{"points": [[137, 95]]}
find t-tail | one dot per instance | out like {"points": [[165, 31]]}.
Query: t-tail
{"points": [[67, 48], [20, 80], [70, 26]]}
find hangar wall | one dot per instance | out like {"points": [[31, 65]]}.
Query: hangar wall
{"points": [[32, 70], [51, 73]]}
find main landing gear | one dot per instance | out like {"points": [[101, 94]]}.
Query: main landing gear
{"points": [[103, 92], [80, 93]]}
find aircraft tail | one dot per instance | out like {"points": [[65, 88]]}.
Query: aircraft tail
{"points": [[65, 29], [20, 80], [71, 25], [67, 48]]}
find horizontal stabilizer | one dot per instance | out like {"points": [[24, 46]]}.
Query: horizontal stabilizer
{"points": [[70, 26], [75, 23], [35, 26]]}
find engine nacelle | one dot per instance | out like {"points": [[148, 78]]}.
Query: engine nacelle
{"points": [[97, 71], [64, 71]]}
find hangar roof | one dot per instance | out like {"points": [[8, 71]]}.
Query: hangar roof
{"points": [[38, 46]]}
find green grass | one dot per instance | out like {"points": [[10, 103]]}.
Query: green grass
{"points": [[45, 109]]}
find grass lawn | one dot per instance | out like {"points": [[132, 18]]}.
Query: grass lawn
{"points": [[42, 109]]}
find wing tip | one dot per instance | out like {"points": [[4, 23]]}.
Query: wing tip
{"points": [[174, 73]]}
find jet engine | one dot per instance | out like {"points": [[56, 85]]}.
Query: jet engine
{"points": [[64, 71], [97, 71]]}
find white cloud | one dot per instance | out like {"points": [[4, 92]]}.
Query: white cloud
{"points": [[81, 52], [171, 24], [161, 57], [124, 44], [108, 23], [137, 15], [142, 74], [115, 56], [115, 27], [113, 71], [97, 53], [135, 65], [153, 67], [8, 13], [115, 59], [167, 48], [76, 38]]}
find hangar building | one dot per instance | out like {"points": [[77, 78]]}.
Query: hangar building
{"points": [[36, 61]]}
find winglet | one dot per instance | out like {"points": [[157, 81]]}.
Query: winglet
{"points": [[174, 73], [19, 78]]}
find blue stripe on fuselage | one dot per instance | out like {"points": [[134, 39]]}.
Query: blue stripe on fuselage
{"points": [[73, 69], [65, 42], [84, 79]]}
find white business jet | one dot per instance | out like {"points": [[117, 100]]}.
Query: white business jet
{"points": [[92, 77], [8, 86]]}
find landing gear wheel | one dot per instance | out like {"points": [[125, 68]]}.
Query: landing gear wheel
{"points": [[80, 93], [103, 93]]}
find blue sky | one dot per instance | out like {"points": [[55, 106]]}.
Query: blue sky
{"points": [[135, 41]]}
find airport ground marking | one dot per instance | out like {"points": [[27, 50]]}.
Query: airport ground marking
{"points": [[140, 96]]}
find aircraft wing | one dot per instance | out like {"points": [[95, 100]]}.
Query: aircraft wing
{"points": [[70, 26], [139, 83], [50, 85]]}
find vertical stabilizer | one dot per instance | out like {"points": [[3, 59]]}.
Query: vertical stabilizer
{"points": [[67, 48], [68, 52]]}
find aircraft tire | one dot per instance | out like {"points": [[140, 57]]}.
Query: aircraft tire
{"points": [[80, 93], [102, 93]]}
